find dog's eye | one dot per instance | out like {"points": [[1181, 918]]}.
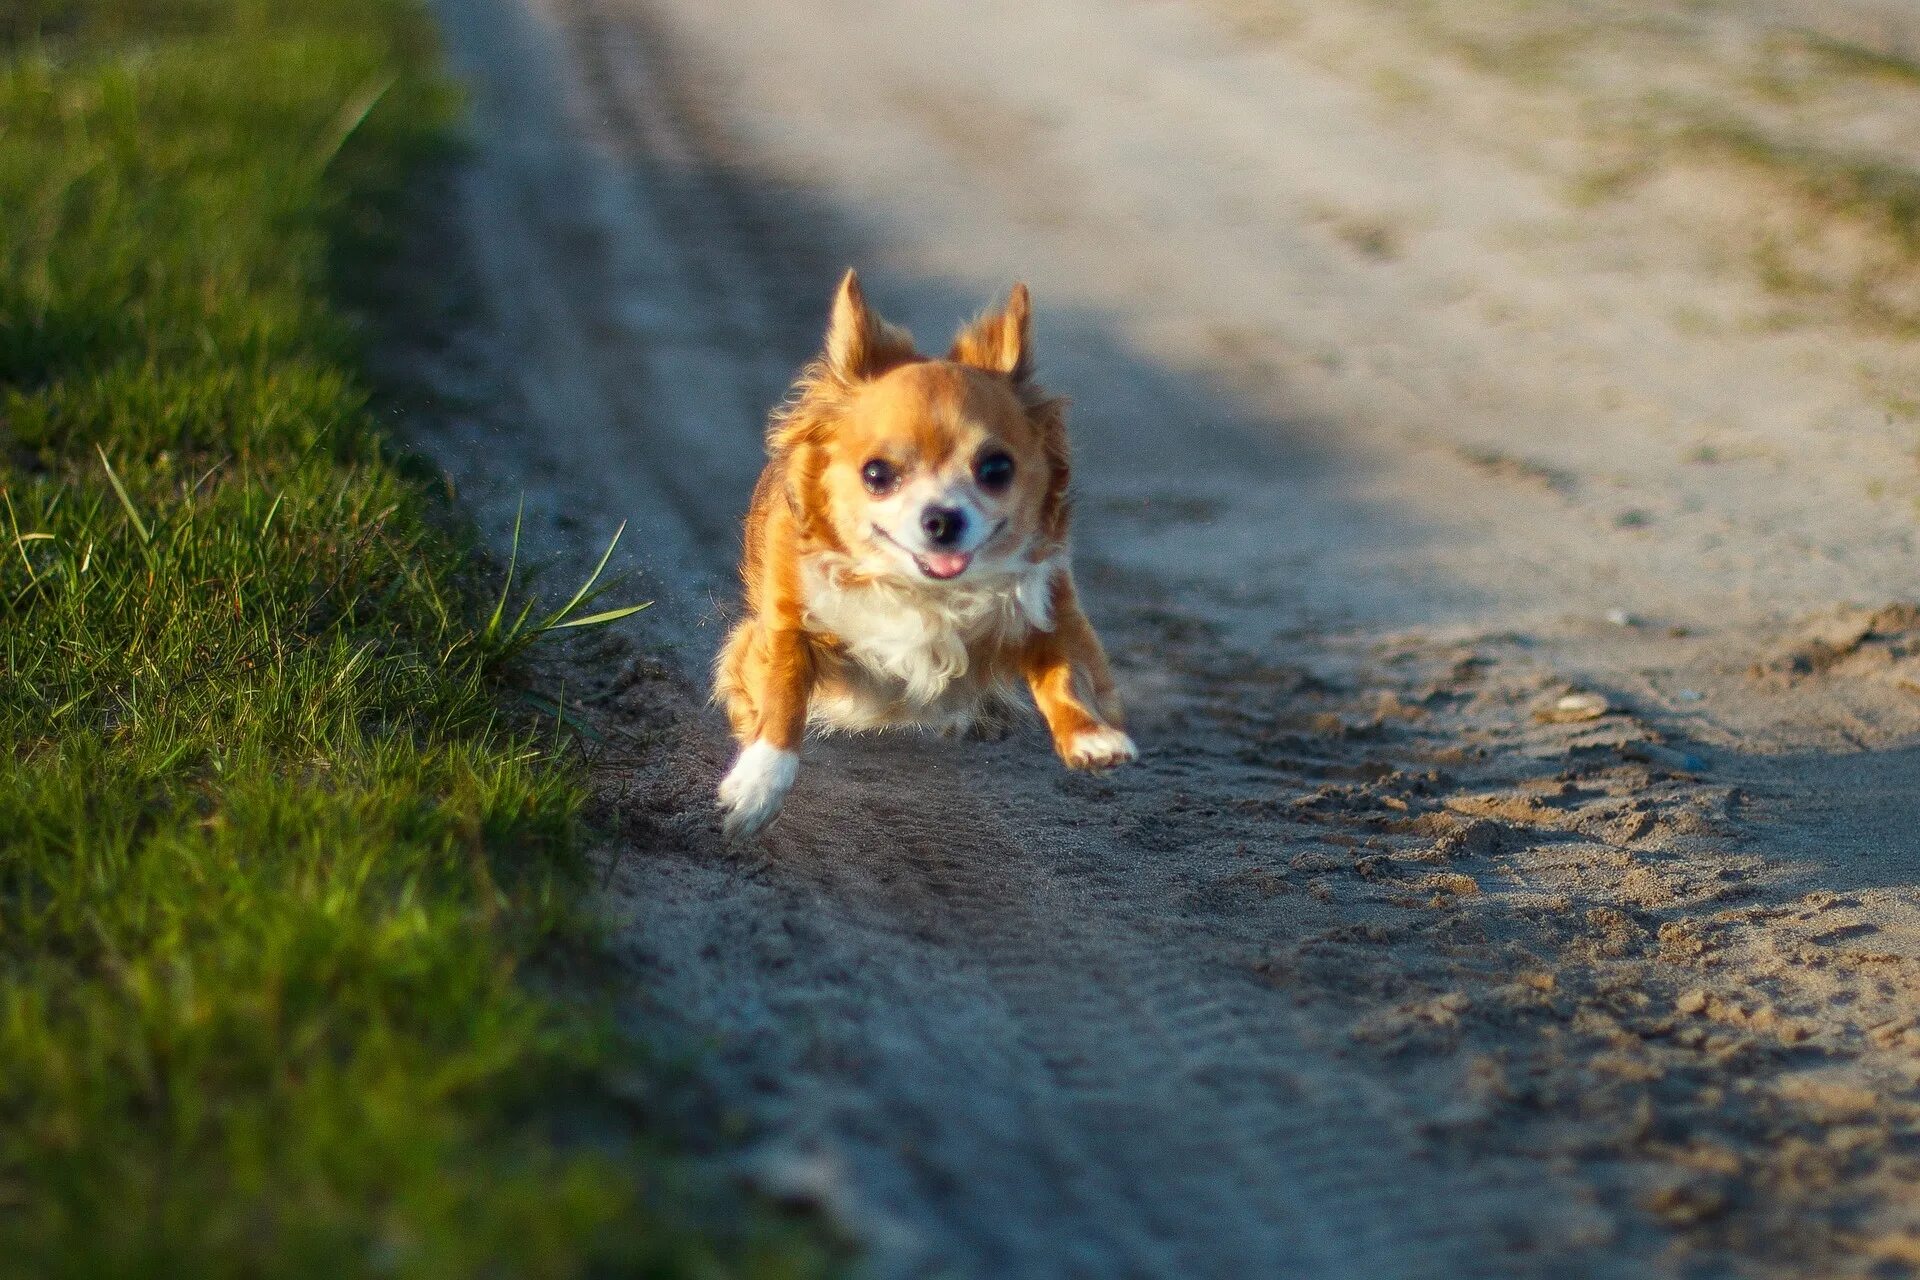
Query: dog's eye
{"points": [[994, 471], [879, 476]]}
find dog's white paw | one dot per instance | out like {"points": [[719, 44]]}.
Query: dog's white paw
{"points": [[754, 789], [1102, 748]]}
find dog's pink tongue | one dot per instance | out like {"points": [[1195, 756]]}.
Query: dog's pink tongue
{"points": [[947, 564]]}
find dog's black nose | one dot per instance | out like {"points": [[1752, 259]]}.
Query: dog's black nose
{"points": [[943, 525]]}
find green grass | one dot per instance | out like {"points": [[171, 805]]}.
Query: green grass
{"points": [[1873, 190], [1876, 281], [1849, 58], [275, 869]]}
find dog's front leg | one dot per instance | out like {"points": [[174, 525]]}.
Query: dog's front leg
{"points": [[754, 789], [1067, 671]]}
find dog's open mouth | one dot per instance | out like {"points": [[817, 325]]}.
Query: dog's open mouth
{"points": [[941, 566], [944, 564]]}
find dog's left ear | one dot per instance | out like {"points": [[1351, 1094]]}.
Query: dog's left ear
{"points": [[1000, 341]]}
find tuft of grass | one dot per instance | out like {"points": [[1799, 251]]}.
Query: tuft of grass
{"points": [[1857, 234], [1869, 188], [1851, 58], [274, 865], [509, 633]]}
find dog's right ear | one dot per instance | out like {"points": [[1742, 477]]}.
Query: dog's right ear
{"points": [[860, 345], [1000, 341]]}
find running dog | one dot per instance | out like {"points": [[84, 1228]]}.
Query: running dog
{"points": [[906, 560]]}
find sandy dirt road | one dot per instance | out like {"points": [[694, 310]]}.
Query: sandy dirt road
{"points": [[1381, 962]]}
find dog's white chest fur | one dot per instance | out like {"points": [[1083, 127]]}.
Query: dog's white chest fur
{"points": [[910, 643]]}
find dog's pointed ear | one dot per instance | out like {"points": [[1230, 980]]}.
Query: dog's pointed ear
{"points": [[1000, 341], [860, 345]]}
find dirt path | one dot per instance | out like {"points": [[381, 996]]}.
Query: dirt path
{"points": [[1378, 964]]}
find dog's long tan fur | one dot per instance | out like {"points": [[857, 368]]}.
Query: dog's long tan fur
{"points": [[853, 620]]}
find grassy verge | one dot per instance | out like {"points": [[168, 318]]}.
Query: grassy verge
{"points": [[272, 865]]}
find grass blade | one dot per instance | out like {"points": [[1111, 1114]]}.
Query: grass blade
{"points": [[353, 113], [513, 559], [271, 511], [610, 615], [556, 618], [139, 525]]}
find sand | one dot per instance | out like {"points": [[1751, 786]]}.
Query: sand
{"points": [[1506, 574]]}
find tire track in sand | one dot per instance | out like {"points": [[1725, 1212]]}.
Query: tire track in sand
{"points": [[1130, 1104]]}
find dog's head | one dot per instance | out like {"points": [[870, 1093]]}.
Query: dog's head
{"points": [[931, 470]]}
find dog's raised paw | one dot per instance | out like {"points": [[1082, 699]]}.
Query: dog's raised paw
{"points": [[754, 789], [1102, 748]]}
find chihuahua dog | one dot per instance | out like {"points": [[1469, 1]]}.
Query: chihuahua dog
{"points": [[905, 560]]}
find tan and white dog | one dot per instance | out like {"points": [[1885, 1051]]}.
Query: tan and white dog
{"points": [[905, 560]]}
